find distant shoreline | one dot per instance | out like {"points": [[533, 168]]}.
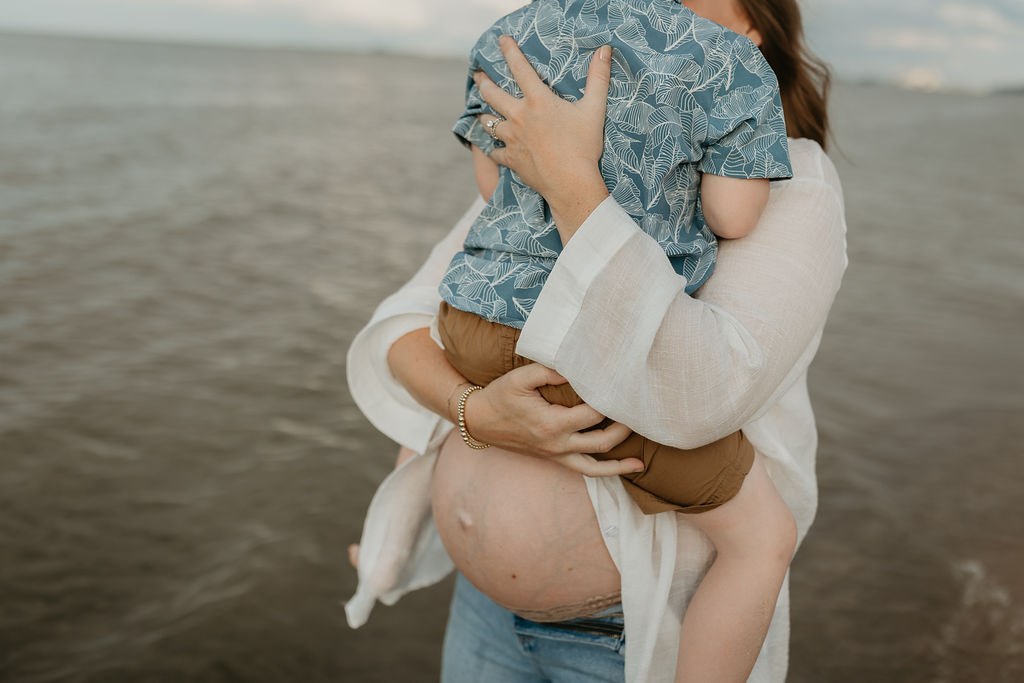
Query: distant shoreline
{"points": [[328, 50], [183, 41]]}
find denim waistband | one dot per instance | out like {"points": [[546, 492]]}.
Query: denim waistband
{"points": [[607, 624]]}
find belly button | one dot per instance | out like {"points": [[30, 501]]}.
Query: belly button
{"points": [[465, 521]]}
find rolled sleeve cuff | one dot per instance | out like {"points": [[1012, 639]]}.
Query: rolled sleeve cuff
{"points": [[594, 244]]}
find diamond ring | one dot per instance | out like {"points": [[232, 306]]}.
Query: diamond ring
{"points": [[492, 124]]}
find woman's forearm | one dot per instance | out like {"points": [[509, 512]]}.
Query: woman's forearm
{"points": [[509, 412], [421, 366]]}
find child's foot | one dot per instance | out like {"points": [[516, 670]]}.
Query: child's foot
{"points": [[353, 555]]}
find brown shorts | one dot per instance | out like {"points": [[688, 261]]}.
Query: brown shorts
{"points": [[674, 479]]}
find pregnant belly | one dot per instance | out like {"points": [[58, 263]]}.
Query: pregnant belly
{"points": [[521, 529]]}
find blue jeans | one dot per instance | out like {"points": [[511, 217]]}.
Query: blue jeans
{"points": [[485, 642]]}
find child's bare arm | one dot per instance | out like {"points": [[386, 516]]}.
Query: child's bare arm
{"points": [[486, 170], [732, 206]]}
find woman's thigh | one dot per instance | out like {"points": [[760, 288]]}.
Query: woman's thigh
{"points": [[485, 642]]}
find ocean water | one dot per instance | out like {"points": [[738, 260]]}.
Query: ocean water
{"points": [[191, 236]]}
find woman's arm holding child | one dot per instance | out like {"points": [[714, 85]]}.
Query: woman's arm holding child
{"points": [[756, 324]]}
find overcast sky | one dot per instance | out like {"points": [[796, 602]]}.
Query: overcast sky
{"points": [[963, 43]]}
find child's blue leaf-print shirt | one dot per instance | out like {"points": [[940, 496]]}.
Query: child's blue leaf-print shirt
{"points": [[687, 96]]}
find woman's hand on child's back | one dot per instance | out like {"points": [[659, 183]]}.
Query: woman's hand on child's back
{"points": [[554, 145], [510, 413]]}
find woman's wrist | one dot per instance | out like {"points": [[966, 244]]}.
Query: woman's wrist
{"points": [[420, 365], [462, 423], [475, 414], [582, 195], [453, 401]]}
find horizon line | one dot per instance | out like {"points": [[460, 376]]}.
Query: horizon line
{"points": [[178, 40], [386, 51]]}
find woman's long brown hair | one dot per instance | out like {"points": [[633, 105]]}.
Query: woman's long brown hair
{"points": [[804, 79]]}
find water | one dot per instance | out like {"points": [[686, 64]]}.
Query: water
{"points": [[191, 236]]}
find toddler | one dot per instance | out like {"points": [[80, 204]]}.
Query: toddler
{"points": [[693, 133]]}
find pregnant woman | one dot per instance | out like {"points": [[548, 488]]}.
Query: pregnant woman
{"points": [[527, 530]]}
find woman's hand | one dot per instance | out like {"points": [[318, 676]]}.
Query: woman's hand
{"points": [[510, 413], [554, 145]]}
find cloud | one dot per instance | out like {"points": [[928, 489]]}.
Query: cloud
{"points": [[922, 78], [907, 39], [973, 44], [423, 26], [389, 15], [920, 40], [392, 14], [979, 18], [400, 15]]}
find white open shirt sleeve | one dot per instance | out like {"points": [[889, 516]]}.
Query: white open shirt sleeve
{"points": [[614, 319]]}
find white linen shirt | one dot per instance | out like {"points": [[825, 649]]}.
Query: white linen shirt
{"points": [[614, 305]]}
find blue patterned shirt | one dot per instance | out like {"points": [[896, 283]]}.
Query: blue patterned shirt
{"points": [[687, 96]]}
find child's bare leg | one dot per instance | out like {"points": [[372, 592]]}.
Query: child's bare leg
{"points": [[725, 624]]}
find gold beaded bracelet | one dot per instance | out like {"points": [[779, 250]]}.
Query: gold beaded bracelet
{"points": [[470, 441]]}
